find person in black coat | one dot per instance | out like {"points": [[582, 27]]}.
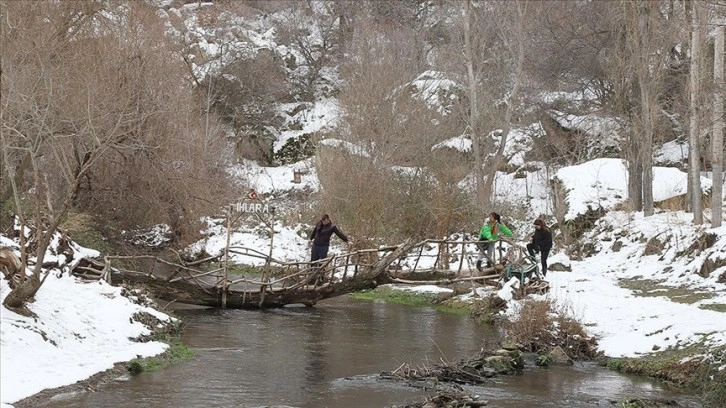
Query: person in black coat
{"points": [[541, 242], [320, 237]]}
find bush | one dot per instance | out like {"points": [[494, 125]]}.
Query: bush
{"points": [[532, 327], [84, 230], [295, 149], [538, 328], [370, 200]]}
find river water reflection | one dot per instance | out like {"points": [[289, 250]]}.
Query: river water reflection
{"points": [[329, 356]]}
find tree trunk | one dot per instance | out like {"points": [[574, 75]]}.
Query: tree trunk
{"points": [[474, 126], [635, 177], [15, 300], [694, 154], [17, 297], [648, 203], [646, 100], [4, 191], [191, 293], [499, 157], [717, 136]]}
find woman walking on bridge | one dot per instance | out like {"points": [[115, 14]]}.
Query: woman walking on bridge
{"points": [[320, 238]]}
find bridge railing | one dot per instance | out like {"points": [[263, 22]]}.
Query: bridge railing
{"points": [[450, 255], [285, 275], [431, 254]]}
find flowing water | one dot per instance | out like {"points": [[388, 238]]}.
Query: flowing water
{"points": [[330, 356]]}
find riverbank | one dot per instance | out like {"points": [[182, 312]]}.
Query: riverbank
{"points": [[332, 355], [556, 339], [542, 325], [639, 285], [77, 329], [429, 294], [164, 331], [119, 372]]}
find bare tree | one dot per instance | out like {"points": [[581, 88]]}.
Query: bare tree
{"points": [[474, 124], [395, 112], [316, 42], [634, 65], [640, 56], [377, 99], [571, 52], [518, 53], [32, 132], [647, 103], [694, 147], [94, 114], [717, 145], [488, 52]]}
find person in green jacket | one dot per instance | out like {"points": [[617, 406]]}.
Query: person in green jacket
{"points": [[490, 232]]}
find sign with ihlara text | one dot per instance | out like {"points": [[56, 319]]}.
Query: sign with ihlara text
{"points": [[252, 204]]}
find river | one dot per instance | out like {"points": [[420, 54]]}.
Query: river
{"points": [[330, 355]]}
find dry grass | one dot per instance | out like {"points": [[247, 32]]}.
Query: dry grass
{"points": [[532, 326], [540, 328], [655, 288]]}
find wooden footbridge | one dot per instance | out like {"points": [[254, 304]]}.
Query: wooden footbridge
{"points": [[278, 283]]}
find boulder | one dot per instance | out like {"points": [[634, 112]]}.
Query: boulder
{"points": [[559, 357]]}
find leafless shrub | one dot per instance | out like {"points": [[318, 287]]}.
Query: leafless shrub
{"points": [[677, 203], [532, 326], [379, 202], [100, 109], [538, 327], [395, 179]]}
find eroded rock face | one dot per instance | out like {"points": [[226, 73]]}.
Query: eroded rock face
{"points": [[700, 244]]}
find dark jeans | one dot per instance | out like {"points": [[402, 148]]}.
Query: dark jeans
{"points": [[319, 252], [544, 253]]}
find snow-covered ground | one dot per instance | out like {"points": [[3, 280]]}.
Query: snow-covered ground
{"points": [[84, 328], [631, 324], [81, 329]]}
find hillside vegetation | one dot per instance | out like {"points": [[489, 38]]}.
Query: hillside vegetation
{"points": [[133, 112], [405, 119]]}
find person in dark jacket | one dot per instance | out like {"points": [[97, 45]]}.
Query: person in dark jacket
{"points": [[320, 237], [541, 242]]}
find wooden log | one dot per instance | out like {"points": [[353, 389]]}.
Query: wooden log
{"points": [[204, 293], [444, 281]]}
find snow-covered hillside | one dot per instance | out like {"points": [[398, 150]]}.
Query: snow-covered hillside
{"points": [[640, 284]]}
